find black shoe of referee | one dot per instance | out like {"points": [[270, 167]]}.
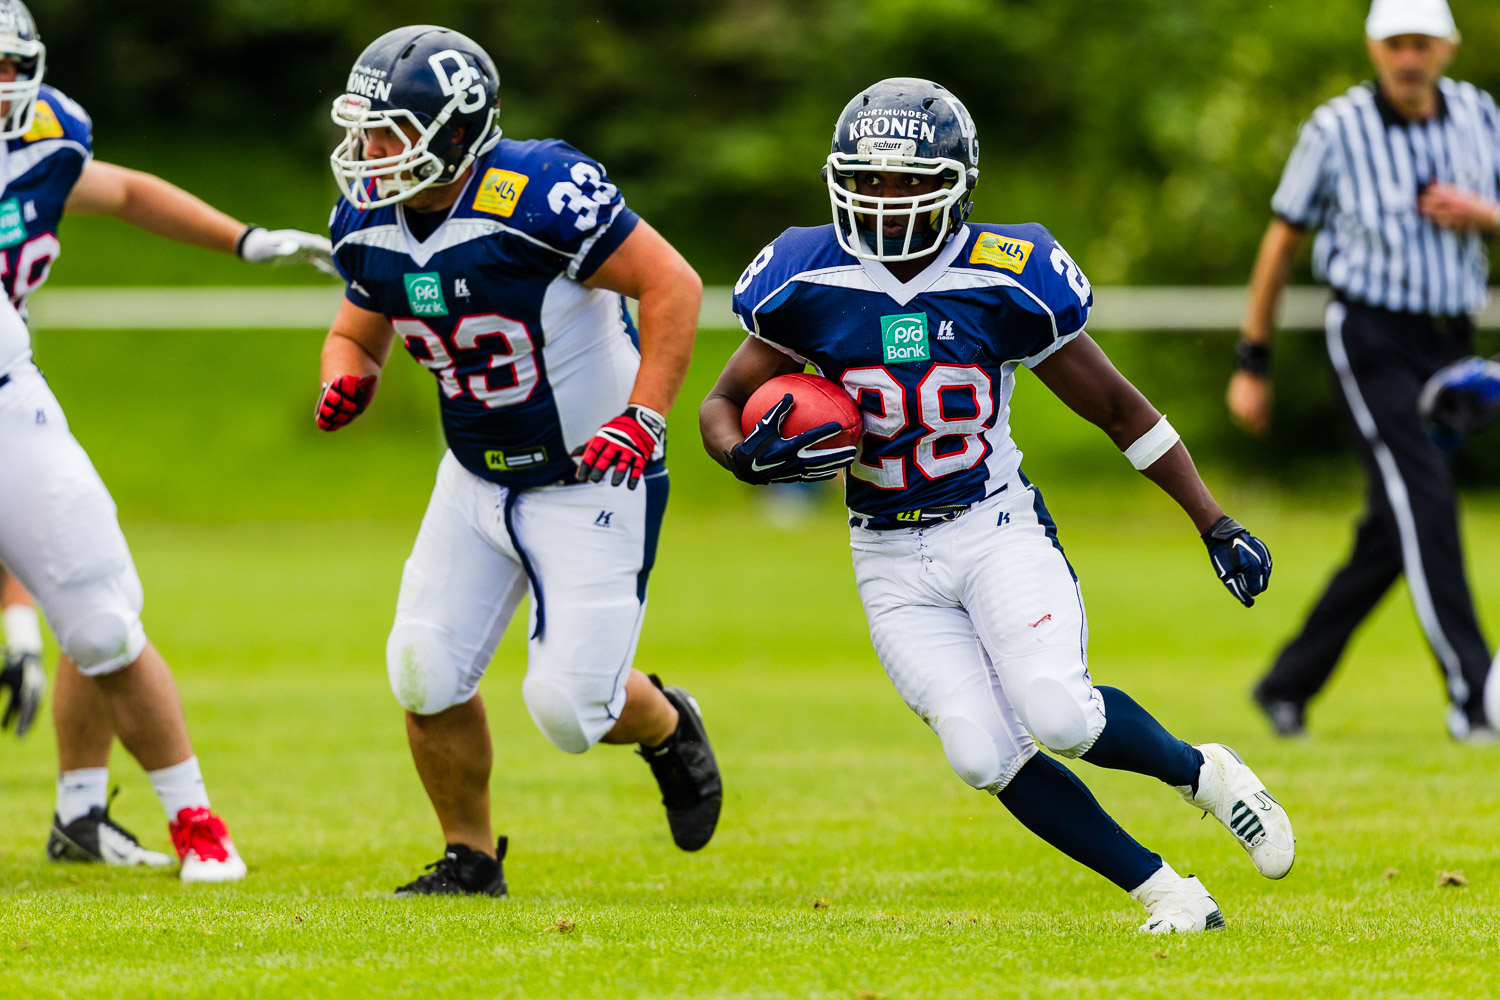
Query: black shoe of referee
{"points": [[686, 772], [1288, 718]]}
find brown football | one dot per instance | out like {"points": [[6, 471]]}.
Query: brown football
{"points": [[815, 401]]}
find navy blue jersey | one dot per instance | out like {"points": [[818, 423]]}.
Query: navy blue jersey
{"points": [[529, 361], [932, 361], [39, 170]]}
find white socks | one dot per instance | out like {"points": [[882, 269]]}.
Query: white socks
{"points": [[179, 787], [23, 629], [81, 790]]}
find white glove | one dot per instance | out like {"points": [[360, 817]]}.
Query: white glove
{"points": [[286, 246]]}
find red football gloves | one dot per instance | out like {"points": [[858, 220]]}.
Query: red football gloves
{"points": [[344, 399], [625, 444]]}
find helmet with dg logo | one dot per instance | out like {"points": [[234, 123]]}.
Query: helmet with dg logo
{"points": [[20, 43], [908, 126], [437, 91]]}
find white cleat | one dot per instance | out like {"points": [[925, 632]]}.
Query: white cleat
{"points": [[1238, 799], [205, 847], [1177, 905]]}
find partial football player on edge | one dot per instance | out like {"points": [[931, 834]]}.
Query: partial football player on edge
{"points": [[71, 555]]}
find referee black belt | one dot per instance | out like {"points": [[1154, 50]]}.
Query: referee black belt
{"points": [[922, 517], [1460, 325]]}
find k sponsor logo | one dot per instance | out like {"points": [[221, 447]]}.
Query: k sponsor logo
{"points": [[424, 293], [508, 461], [903, 337], [499, 191], [12, 223], [1001, 251]]}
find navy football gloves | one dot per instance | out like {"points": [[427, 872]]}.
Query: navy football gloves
{"points": [[625, 444], [766, 457], [1241, 560], [24, 680], [1460, 399]]}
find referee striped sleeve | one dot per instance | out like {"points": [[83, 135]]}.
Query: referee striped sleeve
{"points": [[1300, 194], [1490, 119]]}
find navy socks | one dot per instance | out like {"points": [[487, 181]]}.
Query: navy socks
{"points": [[1052, 803], [1134, 741]]}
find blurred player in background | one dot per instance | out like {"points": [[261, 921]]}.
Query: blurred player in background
{"points": [[1462, 398], [502, 267], [973, 609], [47, 169], [1400, 176]]}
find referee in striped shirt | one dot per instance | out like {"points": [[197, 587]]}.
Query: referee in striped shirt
{"points": [[1400, 179]]}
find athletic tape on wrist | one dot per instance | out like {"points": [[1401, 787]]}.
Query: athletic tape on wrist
{"points": [[1152, 445]]}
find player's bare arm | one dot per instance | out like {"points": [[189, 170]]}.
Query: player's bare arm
{"points": [[1250, 395], [648, 269], [752, 365], [158, 206], [356, 349], [1081, 375]]}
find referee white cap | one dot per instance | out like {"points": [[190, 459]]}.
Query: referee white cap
{"points": [[1389, 18]]}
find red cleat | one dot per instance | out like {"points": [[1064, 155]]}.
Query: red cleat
{"points": [[205, 847]]}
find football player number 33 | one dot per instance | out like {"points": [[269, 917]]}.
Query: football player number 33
{"points": [[508, 340], [888, 418]]}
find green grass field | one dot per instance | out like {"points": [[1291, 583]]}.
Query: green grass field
{"points": [[850, 861]]}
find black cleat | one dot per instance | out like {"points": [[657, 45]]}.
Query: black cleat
{"points": [[94, 837], [1288, 718], [688, 775], [461, 871]]}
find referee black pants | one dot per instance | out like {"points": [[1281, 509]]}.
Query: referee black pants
{"points": [[1410, 525]]}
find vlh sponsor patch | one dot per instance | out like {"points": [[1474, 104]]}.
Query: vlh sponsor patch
{"points": [[1001, 251]]}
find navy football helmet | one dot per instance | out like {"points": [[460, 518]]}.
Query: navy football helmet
{"points": [[19, 42], [436, 82], [909, 126]]}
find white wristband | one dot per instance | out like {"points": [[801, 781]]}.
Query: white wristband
{"points": [[1152, 445]]}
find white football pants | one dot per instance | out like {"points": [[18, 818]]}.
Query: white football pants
{"points": [[980, 625], [60, 534], [587, 547]]}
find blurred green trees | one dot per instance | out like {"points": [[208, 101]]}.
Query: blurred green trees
{"points": [[1148, 134]]}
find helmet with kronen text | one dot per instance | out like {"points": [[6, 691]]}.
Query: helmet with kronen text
{"points": [[434, 88], [902, 125]]}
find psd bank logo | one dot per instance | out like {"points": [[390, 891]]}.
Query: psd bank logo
{"points": [[424, 292], [904, 337]]}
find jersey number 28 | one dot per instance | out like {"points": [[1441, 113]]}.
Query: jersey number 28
{"points": [[932, 395]]}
